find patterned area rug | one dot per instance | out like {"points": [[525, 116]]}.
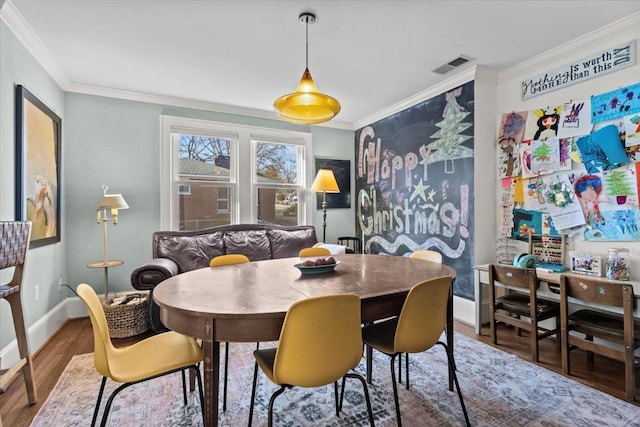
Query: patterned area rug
{"points": [[499, 389]]}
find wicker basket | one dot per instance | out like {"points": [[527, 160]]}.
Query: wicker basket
{"points": [[127, 320]]}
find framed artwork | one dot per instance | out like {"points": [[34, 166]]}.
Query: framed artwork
{"points": [[38, 139], [342, 171]]}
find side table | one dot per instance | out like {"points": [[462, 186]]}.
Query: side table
{"points": [[105, 265]]}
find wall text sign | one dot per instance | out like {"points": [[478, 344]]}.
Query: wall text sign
{"points": [[584, 69]]}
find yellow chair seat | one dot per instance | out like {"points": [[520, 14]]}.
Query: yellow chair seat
{"points": [[170, 351]]}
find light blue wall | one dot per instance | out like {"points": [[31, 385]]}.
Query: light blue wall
{"points": [[47, 263], [117, 142], [113, 142]]}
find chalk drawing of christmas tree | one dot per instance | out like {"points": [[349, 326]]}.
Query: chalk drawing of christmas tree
{"points": [[447, 146]]}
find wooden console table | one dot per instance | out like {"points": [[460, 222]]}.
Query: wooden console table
{"points": [[481, 280]]}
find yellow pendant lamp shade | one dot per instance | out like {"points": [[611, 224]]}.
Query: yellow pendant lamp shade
{"points": [[306, 105]]}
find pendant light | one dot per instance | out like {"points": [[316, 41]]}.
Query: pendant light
{"points": [[306, 105]]}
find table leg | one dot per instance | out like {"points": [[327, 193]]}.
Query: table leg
{"points": [[211, 382], [450, 335]]}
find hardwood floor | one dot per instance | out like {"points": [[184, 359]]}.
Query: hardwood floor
{"points": [[76, 337]]}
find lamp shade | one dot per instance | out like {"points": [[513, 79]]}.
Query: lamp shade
{"points": [[306, 105], [325, 182], [113, 201]]}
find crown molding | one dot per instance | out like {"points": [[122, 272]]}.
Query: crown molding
{"points": [[23, 32], [452, 82], [583, 44]]}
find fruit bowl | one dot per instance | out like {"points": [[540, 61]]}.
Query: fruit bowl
{"points": [[316, 269]]}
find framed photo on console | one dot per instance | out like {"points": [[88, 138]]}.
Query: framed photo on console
{"points": [[37, 192]]}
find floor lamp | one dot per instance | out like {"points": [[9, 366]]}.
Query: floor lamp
{"points": [[109, 205], [325, 182]]}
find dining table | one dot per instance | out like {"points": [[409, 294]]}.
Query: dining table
{"points": [[248, 302]]}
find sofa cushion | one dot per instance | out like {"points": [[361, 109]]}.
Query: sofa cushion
{"points": [[189, 252], [254, 244], [287, 243]]}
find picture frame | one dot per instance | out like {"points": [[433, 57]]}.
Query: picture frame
{"points": [[586, 263], [37, 184], [342, 171]]}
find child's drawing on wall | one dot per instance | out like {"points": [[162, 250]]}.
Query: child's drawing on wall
{"points": [[588, 189], [575, 119], [545, 156], [510, 135]]}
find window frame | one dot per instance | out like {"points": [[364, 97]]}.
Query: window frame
{"points": [[244, 208]]}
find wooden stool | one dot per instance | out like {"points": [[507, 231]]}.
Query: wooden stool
{"points": [[14, 244]]}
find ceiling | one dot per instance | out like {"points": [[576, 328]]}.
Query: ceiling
{"points": [[367, 54]]}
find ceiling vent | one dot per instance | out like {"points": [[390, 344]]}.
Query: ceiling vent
{"points": [[444, 69]]}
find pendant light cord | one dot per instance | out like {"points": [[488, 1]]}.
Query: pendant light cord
{"points": [[306, 25]]}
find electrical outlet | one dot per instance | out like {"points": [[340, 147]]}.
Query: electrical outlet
{"points": [[37, 292], [60, 286]]}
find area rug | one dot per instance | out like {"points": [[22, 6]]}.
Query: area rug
{"points": [[499, 389]]}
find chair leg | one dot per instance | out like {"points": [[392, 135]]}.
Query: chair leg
{"points": [[406, 359], [253, 392], [23, 344], [455, 380], [366, 394], [95, 411], [400, 369], [271, 401], [338, 404], [184, 388], [395, 389], [226, 371]]}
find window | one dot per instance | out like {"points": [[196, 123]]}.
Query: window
{"points": [[276, 181], [223, 199], [216, 173]]}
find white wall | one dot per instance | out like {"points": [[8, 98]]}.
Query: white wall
{"points": [[509, 99]]}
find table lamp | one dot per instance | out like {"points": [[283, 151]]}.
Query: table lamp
{"points": [[109, 205], [325, 182]]}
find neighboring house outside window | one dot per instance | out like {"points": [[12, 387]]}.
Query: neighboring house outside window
{"points": [[207, 178]]}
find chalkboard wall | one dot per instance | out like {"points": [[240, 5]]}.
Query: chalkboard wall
{"points": [[414, 183]]}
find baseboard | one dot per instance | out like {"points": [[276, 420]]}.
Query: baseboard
{"points": [[464, 311], [43, 329]]}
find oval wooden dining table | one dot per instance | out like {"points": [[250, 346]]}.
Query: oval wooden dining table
{"points": [[248, 302]]}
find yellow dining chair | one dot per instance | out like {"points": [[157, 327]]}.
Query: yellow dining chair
{"points": [[427, 255], [220, 261], [417, 329], [319, 251], [229, 259], [320, 342], [150, 358]]}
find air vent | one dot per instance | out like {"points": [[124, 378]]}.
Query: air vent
{"points": [[444, 69]]}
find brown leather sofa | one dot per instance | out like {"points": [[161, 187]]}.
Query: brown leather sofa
{"points": [[176, 252]]}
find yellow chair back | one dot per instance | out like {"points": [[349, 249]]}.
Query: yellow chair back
{"points": [[101, 338], [307, 252], [229, 259], [423, 316], [320, 341], [427, 255]]}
